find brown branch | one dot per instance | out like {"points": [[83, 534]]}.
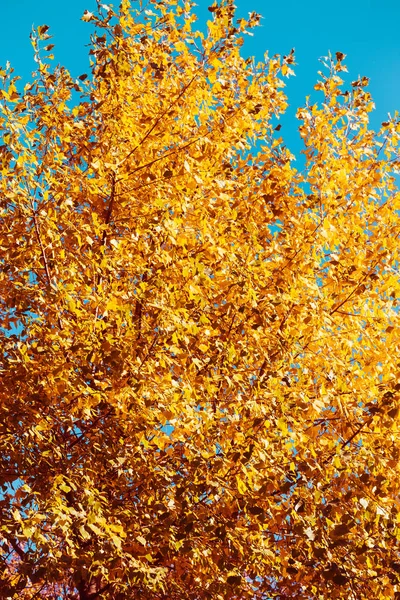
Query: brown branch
{"points": [[37, 594], [46, 264], [148, 352], [357, 431], [112, 196], [350, 438], [44, 257], [15, 546], [165, 112], [101, 590], [104, 236], [152, 162], [86, 430], [336, 308]]}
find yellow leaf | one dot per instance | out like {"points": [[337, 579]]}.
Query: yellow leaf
{"points": [[141, 540], [84, 533], [241, 486]]}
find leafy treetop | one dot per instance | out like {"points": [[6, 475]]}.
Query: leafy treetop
{"points": [[199, 342]]}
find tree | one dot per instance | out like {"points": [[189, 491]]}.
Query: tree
{"points": [[199, 366]]}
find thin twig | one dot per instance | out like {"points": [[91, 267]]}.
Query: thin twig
{"points": [[159, 118], [44, 257]]}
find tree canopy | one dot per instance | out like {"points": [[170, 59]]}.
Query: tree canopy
{"points": [[199, 335]]}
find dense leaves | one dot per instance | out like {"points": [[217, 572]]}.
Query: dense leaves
{"points": [[199, 354]]}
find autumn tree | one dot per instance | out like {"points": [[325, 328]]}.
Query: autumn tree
{"points": [[199, 341]]}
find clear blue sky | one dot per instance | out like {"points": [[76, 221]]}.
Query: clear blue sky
{"points": [[366, 30]]}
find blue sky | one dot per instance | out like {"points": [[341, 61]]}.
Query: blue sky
{"points": [[365, 30]]}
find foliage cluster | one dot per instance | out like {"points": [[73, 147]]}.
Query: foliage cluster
{"points": [[199, 353]]}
